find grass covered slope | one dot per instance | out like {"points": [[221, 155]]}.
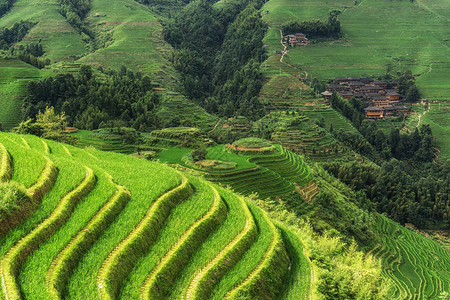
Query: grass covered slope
{"points": [[269, 171], [407, 35], [418, 267], [14, 77], [61, 42], [132, 37], [111, 227]]}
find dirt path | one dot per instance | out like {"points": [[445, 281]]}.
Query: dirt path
{"points": [[284, 46], [215, 126]]}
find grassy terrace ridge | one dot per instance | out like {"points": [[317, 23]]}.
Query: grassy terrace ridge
{"points": [[94, 213], [159, 282], [61, 42]]}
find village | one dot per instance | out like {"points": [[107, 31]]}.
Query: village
{"points": [[381, 98]]}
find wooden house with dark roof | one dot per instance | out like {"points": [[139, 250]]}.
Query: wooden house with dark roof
{"points": [[327, 95], [392, 95], [380, 100], [370, 89], [374, 112], [382, 84], [346, 94], [337, 88], [341, 80], [296, 39]]}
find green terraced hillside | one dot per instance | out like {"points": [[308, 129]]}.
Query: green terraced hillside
{"points": [[14, 77], [419, 267], [269, 175], [102, 225], [408, 35]]}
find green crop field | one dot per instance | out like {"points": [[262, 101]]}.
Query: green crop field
{"points": [[418, 266], [14, 76], [182, 237], [60, 41], [135, 38], [269, 174]]}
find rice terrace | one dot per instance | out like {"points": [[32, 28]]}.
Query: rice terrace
{"points": [[232, 149]]}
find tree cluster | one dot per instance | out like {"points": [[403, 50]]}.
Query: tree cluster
{"points": [[91, 101], [14, 34], [408, 193], [316, 28], [31, 53], [48, 125], [407, 86], [218, 54], [5, 5], [75, 11]]}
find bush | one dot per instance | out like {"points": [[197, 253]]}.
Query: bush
{"points": [[12, 195]]}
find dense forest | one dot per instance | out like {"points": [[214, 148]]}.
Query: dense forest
{"points": [[218, 53], [91, 101], [5, 5], [408, 193], [316, 28]]}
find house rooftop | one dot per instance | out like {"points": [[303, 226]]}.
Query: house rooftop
{"points": [[373, 108]]}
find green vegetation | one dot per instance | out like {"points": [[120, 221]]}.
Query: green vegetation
{"points": [[317, 28], [65, 235], [408, 259], [91, 101], [12, 196]]}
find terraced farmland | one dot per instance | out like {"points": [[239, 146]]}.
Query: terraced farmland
{"points": [[14, 77], [270, 175], [104, 225], [418, 267]]}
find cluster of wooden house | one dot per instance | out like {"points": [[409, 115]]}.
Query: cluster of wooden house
{"points": [[381, 98], [295, 39]]}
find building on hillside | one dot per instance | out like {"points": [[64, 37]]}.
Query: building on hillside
{"points": [[381, 84], [380, 100], [327, 95], [380, 112], [374, 112], [346, 94], [392, 95], [337, 88], [295, 39], [341, 80]]}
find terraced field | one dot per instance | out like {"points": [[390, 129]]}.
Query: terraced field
{"points": [[407, 35], [14, 77], [418, 267], [271, 175], [105, 226]]}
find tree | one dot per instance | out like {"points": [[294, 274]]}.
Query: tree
{"points": [[48, 125], [412, 94]]}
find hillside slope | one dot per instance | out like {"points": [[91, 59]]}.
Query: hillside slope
{"points": [[406, 35], [182, 237]]}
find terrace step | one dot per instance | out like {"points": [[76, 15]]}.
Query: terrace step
{"points": [[11, 263], [61, 268], [123, 258], [163, 275], [206, 278]]}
